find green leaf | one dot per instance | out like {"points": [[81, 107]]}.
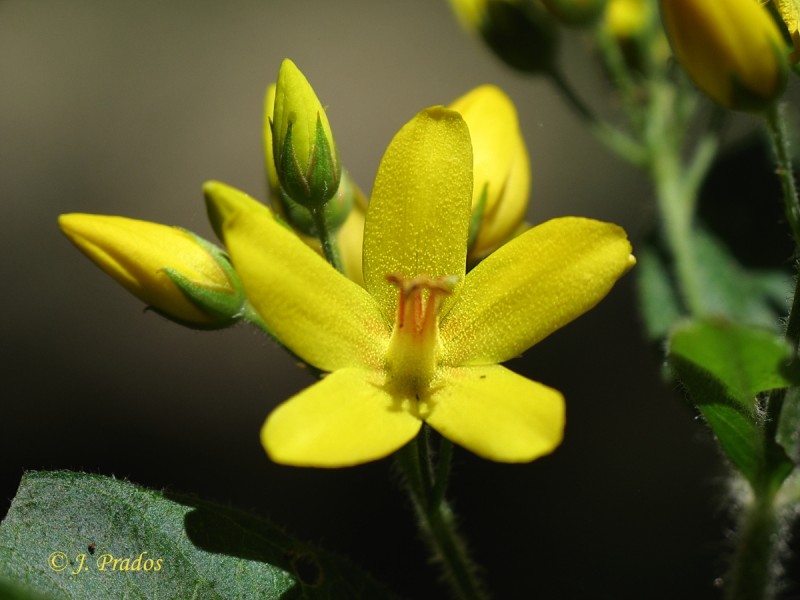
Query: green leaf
{"points": [[736, 429], [75, 536], [757, 297], [745, 360], [724, 366]]}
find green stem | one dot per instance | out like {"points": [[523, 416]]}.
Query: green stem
{"points": [[619, 142], [784, 169], [755, 562], [676, 207], [677, 186], [436, 519], [762, 537], [329, 246]]}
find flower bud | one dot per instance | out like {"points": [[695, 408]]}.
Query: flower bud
{"points": [[305, 157], [501, 168], [297, 215], [520, 33], [575, 13], [733, 50], [178, 274]]}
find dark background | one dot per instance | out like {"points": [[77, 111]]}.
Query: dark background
{"points": [[128, 107]]}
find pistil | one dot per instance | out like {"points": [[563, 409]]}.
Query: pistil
{"points": [[414, 347]]}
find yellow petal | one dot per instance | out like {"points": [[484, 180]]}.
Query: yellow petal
{"points": [[497, 414], [500, 164], [319, 314], [530, 287], [418, 215], [343, 420]]}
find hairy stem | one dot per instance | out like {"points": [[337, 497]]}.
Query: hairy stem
{"points": [[436, 519]]}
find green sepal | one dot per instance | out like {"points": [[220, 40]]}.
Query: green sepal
{"points": [[324, 171], [314, 186], [207, 551], [224, 308], [290, 173], [726, 369], [335, 211]]}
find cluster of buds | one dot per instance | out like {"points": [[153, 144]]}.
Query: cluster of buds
{"points": [[190, 281]]}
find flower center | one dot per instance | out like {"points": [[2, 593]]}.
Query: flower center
{"points": [[414, 347]]}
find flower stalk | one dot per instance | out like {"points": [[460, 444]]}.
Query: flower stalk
{"points": [[426, 484]]}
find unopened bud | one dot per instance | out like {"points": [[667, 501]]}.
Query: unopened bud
{"points": [[520, 33], [732, 50], [175, 272], [304, 152]]}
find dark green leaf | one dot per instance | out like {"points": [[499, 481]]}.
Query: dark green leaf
{"points": [[121, 541], [736, 429], [756, 297]]}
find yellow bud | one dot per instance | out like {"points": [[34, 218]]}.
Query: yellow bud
{"points": [[305, 156], [520, 32], [296, 214], [627, 19], [501, 166], [733, 50], [168, 268]]}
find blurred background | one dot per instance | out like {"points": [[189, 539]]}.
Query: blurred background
{"points": [[128, 107]]}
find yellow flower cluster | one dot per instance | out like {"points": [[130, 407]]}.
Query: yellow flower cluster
{"points": [[414, 337]]}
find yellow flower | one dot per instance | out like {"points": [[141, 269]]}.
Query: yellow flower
{"points": [[170, 269], [421, 340], [501, 167], [733, 50], [305, 156]]}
